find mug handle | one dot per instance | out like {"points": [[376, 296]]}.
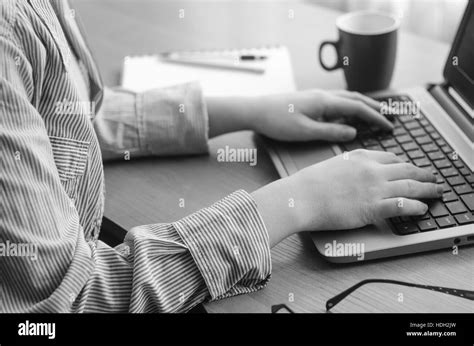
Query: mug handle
{"points": [[338, 64]]}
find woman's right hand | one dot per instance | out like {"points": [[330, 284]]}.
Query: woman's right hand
{"points": [[347, 191]]}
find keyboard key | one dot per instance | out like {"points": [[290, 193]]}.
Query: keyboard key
{"points": [[405, 118], [427, 148], [470, 179], [456, 180], [387, 143], [469, 201], [464, 171], [441, 142], [403, 139], [458, 163], [412, 125], [417, 132], [435, 135], [404, 158], [449, 172], [456, 207], [437, 209], [445, 149], [398, 131], [442, 163], [430, 129], [406, 228], [450, 196], [445, 221], [423, 162], [436, 155], [409, 146], [396, 150], [463, 219], [463, 189], [415, 154], [426, 225], [423, 140]]}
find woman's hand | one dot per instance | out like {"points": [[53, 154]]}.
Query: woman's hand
{"points": [[316, 115], [347, 191], [299, 116]]}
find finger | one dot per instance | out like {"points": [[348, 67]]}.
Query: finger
{"points": [[400, 206], [360, 97], [340, 106], [408, 171], [315, 130], [384, 157], [413, 189]]}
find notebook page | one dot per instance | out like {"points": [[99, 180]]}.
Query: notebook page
{"points": [[142, 73]]}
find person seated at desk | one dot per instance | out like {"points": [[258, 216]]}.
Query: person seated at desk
{"points": [[52, 147]]}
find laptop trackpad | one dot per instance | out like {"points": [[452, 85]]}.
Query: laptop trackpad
{"points": [[297, 156]]}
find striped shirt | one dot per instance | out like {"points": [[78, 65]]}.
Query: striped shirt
{"points": [[58, 123]]}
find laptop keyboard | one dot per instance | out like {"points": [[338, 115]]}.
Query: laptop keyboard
{"points": [[415, 140]]}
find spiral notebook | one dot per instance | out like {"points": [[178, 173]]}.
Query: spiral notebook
{"points": [[146, 72]]}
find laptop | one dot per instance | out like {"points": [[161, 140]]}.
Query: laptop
{"points": [[439, 137]]}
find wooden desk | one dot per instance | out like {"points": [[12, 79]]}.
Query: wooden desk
{"points": [[119, 28]]}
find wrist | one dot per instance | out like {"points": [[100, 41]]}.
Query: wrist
{"points": [[276, 207], [230, 114], [310, 209], [251, 110]]}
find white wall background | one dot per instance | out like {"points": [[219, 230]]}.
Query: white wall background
{"points": [[436, 19]]}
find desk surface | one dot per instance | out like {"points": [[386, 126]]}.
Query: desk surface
{"points": [[300, 277]]}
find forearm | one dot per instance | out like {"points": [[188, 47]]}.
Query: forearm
{"points": [[230, 114], [276, 203]]}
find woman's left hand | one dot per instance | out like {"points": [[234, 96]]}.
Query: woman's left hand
{"points": [[315, 115]]}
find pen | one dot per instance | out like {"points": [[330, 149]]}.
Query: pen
{"points": [[213, 64], [204, 55], [252, 57]]}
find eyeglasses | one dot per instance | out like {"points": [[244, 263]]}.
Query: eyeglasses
{"points": [[338, 298]]}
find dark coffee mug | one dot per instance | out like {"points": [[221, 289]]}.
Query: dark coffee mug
{"points": [[366, 49]]}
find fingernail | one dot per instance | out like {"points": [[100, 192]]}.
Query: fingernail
{"points": [[439, 189], [425, 209], [349, 133]]}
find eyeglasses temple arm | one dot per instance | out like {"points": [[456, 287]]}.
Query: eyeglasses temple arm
{"points": [[455, 292]]}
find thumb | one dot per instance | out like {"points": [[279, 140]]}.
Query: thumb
{"points": [[315, 130]]}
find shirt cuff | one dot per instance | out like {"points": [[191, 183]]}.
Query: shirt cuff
{"points": [[173, 120], [229, 244]]}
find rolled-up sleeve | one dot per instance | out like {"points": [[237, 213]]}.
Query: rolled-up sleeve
{"points": [[229, 244], [158, 122], [217, 252]]}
